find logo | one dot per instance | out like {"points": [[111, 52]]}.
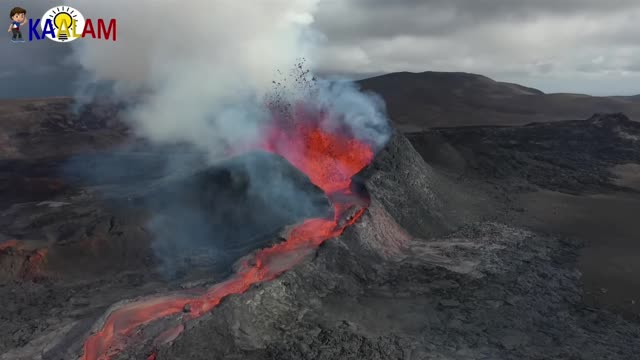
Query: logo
{"points": [[64, 24], [61, 24]]}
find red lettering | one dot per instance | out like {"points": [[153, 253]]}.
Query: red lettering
{"points": [[88, 29], [106, 31]]}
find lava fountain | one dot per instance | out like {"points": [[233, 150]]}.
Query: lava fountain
{"points": [[330, 159]]}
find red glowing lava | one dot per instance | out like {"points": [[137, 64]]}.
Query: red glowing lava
{"points": [[33, 259], [330, 160]]}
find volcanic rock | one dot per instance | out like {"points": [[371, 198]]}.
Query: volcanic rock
{"points": [[470, 254], [567, 156], [577, 179], [388, 295]]}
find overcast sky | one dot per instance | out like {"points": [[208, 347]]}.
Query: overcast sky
{"points": [[585, 46]]}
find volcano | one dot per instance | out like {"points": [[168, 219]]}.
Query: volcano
{"points": [[496, 242], [330, 160]]}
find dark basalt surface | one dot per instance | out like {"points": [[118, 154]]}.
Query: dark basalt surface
{"points": [[485, 290], [567, 156], [446, 263]]}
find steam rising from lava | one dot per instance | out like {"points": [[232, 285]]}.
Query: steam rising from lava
{"points": [[204, 66], [206, 70], [202, 74], [330, 160]]}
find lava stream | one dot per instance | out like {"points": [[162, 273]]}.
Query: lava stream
{"points": [[330, 160]]}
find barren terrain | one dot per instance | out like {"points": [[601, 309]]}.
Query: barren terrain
{"points": [[483, 242]]}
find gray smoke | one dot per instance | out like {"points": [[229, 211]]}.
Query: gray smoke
{"points": [[200, 73], [204, 66], [363, 113]]}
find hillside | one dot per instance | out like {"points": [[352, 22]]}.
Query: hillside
{"points": [[418, 101]]}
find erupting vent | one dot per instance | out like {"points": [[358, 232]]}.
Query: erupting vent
{"points": [[330, 159]]}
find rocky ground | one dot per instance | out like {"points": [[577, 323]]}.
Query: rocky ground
{"points": [[566, 156], [575, 179], [452, 260], [484, 291]]}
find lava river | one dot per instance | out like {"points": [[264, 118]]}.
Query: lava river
{"points": [[330, 160]]}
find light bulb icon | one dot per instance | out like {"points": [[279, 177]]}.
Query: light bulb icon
{"points": [[66, 22]]}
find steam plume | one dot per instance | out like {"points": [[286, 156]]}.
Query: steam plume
{"points": [[205, 64], [206, 69]]}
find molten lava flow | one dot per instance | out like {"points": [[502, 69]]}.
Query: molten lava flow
{"points": [[34, 259], [330, 160], [9, 244], [33, 264]]}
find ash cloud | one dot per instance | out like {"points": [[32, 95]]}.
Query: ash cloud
{"points": [[202, 66], [200, 74], [363, 113]]}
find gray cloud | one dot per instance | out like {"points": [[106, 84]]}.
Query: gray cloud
{"points": [[373, 18], [37, 68], [557, 45], [541, 43]]}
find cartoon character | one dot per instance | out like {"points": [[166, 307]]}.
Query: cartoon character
{"points": [[18, 19]]}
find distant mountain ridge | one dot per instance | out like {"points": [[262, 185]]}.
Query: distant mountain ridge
{"points": [[46, 127], [417, 101]]}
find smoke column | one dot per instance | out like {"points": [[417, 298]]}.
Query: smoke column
{"points": [[201, 72], [204, 65]]}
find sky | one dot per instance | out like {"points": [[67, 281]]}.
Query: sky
{"points": [[578, 46]]}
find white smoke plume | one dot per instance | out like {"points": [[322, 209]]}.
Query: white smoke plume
{"points": [[204, 64], [363, 113], [207, 69]]}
